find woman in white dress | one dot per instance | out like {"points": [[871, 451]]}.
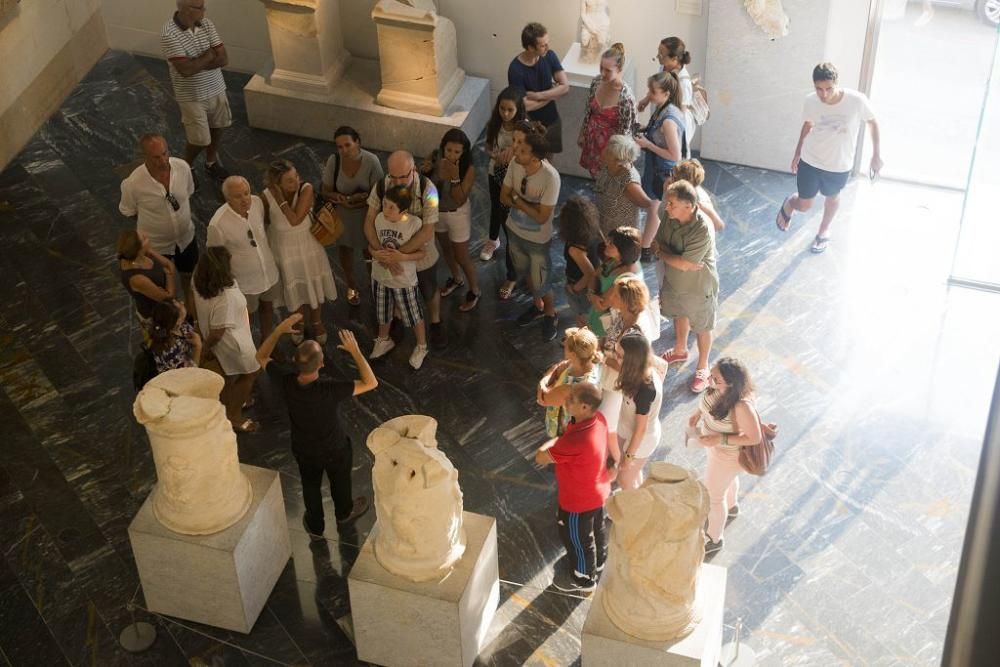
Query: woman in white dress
{"points": [[224, 321], [306, 278]]}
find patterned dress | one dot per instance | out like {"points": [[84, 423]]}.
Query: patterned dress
{"points": [[599, 124]]}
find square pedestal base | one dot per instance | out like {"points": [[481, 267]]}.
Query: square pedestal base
{"points": [[352, 102], [605, 644], [222, 579], [399, 622]]}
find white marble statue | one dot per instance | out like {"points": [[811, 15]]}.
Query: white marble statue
{"points": [[769, 16], [200, 488], [417, 500], [656, 548], [595, 29]]}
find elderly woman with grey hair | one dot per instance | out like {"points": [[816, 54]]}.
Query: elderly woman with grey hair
{"points": [[618, 186]]}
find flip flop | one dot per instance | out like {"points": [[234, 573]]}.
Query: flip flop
{"points": [[783, 220], [819, 244], [247, 426], [506, 290]]}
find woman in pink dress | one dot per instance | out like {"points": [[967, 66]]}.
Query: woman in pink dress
{"points": [[610, 110]]}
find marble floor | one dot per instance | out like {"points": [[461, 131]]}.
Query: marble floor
{"points": [[878, 373]]}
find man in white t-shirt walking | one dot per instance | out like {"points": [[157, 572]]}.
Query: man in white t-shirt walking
{"points": [[196, 56], [157, 195], [824, 155], [531, 190]]}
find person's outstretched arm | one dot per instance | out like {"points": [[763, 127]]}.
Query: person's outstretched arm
{"points": [[267, 347], [349, 344]]}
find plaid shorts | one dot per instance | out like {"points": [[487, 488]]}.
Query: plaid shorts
{"points": [[407, 299]]}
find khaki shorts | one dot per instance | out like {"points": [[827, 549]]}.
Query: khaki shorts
{"points": [[202, 116], [272, 294]]}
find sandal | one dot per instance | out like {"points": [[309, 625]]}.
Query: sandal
{"points": [[783, 220], [672, 356], [319, 333], [247, 426], [249, 403], [451, 285], [353, 297], [819, 244], [471, 300], [506, 290]]}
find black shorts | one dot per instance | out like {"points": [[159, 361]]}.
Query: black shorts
{"points": [[810, 180], [427, 282], [186, 259]]}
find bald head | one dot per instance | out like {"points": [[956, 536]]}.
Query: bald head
{"points": [[155, 152], [236, 190], [308, 357], [401, 168]]}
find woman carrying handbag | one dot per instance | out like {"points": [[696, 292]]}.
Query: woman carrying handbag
{"points": [[728, 423]]}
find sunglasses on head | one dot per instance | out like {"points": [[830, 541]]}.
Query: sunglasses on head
{"points": [[174, 204]]}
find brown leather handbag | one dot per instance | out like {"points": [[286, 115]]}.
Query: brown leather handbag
{"points": [[756, 459], [326, 225]]}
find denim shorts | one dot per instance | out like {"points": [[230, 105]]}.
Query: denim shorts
{"points": [[531, 263], [811, 180]]}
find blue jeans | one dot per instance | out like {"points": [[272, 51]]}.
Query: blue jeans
{"points": [[531, 263]]}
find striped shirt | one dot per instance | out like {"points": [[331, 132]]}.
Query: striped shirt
{"points": [[177, 43]]}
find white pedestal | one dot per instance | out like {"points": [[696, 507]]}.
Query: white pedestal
{"points": [[352, 102], [222, 579], [306, 43], [573, 106], [605, 644], [399, 622]]}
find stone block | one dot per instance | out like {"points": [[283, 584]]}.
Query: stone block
{"points": [[222, 579], [399, 622], [604, 644], [352, 102]]}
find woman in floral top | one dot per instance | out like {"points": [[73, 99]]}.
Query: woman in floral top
{"points": [[174, 342], [610, 110]]}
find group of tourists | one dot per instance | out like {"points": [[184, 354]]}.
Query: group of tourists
{"points": [[602, 401]]}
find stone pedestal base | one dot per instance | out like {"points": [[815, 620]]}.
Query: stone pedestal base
{"points": [[222, 579], [604, 644], [352, 102], [398, 622], [573, 106]]}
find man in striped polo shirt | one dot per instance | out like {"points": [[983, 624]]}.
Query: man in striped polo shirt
{"points": [[196, 56]]}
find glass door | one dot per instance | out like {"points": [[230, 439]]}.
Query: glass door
{"points": [[928, 82]]}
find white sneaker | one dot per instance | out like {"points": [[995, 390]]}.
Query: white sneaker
{"points": [[417, 358], [382, 348], [489, 248]]}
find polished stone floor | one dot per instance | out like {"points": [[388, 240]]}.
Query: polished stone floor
{"points": [[878, 373]]}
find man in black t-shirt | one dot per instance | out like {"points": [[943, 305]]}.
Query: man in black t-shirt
{"points": [[538, 72], [318, 441]]}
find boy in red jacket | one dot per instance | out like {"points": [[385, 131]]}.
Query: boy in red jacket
{"points": [[580, 455]]}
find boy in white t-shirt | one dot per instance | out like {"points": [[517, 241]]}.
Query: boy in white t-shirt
{"points": [[397, 286], [824, 155]]}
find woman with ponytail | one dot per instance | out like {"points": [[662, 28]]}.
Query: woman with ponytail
{"points": [[610, 109]]}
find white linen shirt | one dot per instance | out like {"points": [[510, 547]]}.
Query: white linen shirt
{"points": [[253, 266], [145, 197]]}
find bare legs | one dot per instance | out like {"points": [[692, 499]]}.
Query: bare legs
{"points": [[346, 255], [830, 207], [456, 256], [234, 394], [265, 311], [682, 327], [191, 152]]}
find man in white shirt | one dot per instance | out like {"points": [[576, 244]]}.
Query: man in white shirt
{"points": [[239, 226], [402, 170], [824, 156], [157, 195], [531, 190], [196, 55]]}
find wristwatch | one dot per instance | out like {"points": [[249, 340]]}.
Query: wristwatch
{"points": [[630, 456]]}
